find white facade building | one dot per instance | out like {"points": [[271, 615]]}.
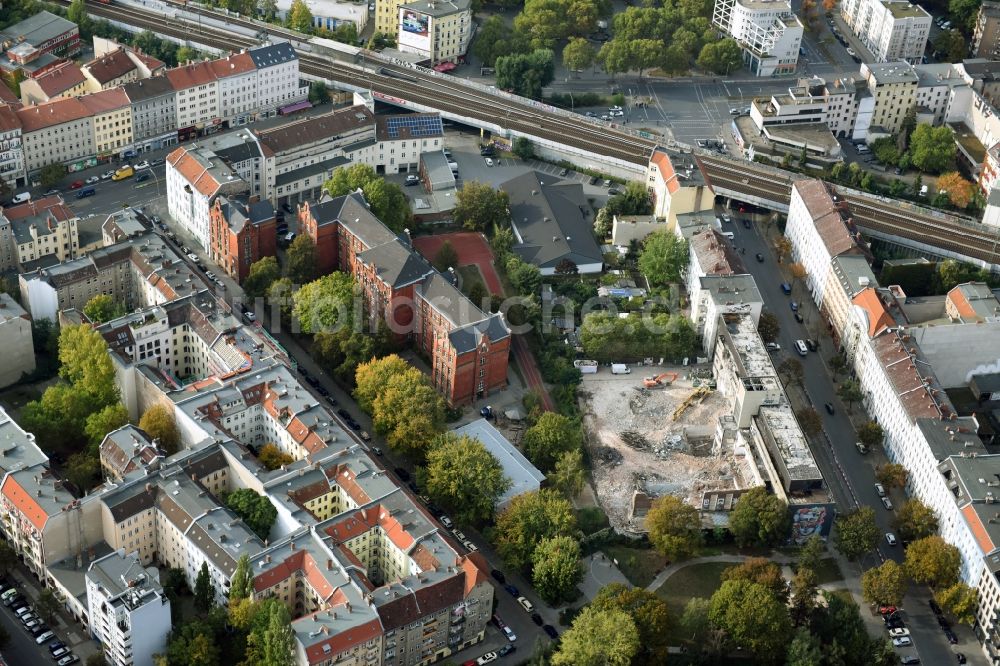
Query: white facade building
{"points": [[197, 95], [11, 151], [237, 77], [768, 30], [58, 131], [129, 613], [891, 29], [195, 177], [278, 82]]}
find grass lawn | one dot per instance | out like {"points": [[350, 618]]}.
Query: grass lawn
{"points": [[639, 565], [828, 571], [697, 580]]}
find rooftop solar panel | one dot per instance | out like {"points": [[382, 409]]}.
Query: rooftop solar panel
{"points": [[418, 126]]}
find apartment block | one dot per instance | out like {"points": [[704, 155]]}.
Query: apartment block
{"points": [[153, 104], [60, 131], [128, 610], [438, 32], [986, 36], [808, 103], [127, 450], [768, 31], [676, 186], [241, 232], [11, 148], [894, 88], [467, 347], [112, 115], [195, 178], [15, 340], [278, 83], [111, 70], [197, 91], [892, 30], [720, 295], [849, 277], [38, 233], [237, 81], [63, 80]]}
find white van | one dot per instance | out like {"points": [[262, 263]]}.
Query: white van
{"points": [[620, 369], [729, 234], [21, 197], [800, 345]]}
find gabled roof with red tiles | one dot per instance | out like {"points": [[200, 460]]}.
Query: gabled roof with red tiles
{"points": [[8, 118], [24, 502], [440, 595], [152, 64], [191, 76], [475, 566], [343, 641], [53, 207], [55, 112], [978, 529], [666, 170], [344, 477], [910, 377], [59, 79], [424, 558], [7, 96], [305, 437], [279, 571], [113, 99], [232, 65], [826, 216], [194, 171], [879, 318], [110, 66]]}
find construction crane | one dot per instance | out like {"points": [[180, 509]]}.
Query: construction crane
{"points": [[666, 379]]}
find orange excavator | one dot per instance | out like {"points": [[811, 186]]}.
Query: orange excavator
{"points": [[666, 379]]}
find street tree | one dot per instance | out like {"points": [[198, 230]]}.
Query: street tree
{"points": [[578, 54], [812, 551], [768, 327], [408, 412], [569, 475], [803, 601], [857, 532], [647, 610], [525, 73], [870, 433], [884, 585], [762, 571], [327, 305], [479, 207], [372, 377], [300, 260], [752, 617], [108, 419], [158, 422], [102, 308], [932, 149], [799, 272], [77, 13], [675, 60], [386, 200], [891, 475], [299, 17], [915, 520], [256, 510], [271, 457], [279, 297], [809, 421], [465, 478], [664, 255], [552, 435], [850, 392], [493, 39], [722, 57], [598, 638], [47, 605], [959, 601], [760, 518], [674, 528], [262, 275], [791, 369], [50, 175], [204, 590], [556, 570], [782, 247], [960, 191], [446, 257], [933, 561], [529, 518]]}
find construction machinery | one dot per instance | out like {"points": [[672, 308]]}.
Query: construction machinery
{"points": [[665, 379]]}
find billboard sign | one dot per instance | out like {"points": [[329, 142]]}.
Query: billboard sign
{"points": [[414, 30]]}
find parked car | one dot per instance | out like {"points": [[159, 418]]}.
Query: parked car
{"points": [[508, 649], [760, 258], [897, 633], [68, 659], [880, 489], [934, 607], [537, 619], [773, 346], [799, 318], [487, 658], [412, 180], [489, 161], [47, 636], [794, 305], [93, 179], [887, 503], [829, 408], [76, 184], [551, 631], [377, 451], [902, 642], [446, 521], [142, 165], [961, 657], [498, 576], [890, 538], [61, 652], [509, 633], [56, 645], [511, 590], [812, 344], [525, 604], [952, 638], [909, 659]]}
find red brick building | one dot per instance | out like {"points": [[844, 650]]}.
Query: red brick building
{"points": [[240, 233], [468, 348]]}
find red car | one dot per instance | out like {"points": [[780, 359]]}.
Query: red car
{"points": [[77, 184], [887, 610]]}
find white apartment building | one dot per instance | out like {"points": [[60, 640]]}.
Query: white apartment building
{"points": [[15, 341], [849, 275], [817, 232], [720, 295], [197, 96], [41, 231], [278, 82], [128, 611], [195, 177], [11, 149], [237, 77], [891, 29], [58, 131], [768, 30]]}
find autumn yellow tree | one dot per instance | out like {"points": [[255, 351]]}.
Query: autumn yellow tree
{"points": [[959, 190], [829, 5]]}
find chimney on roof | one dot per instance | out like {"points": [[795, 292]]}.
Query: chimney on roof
{"points": [[329, 564], [267, 559], [293, 545]]}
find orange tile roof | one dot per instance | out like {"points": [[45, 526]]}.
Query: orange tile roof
{"points": [[49, 114], [8, 118], [59, 79], [190, 76], [104, 101], [666, 169], [978, 530], [826, 216], [343, 641], [961, 303], [193, 171], [53, 205], [24, 502], [151, 63], [474, 565], [879, 318], [279, 572], [232, 65]]}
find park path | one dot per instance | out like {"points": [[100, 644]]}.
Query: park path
{"points": [[661, 577], [473, 250]]}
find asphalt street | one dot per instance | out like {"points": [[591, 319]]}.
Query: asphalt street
{"points": [[848, 474]]}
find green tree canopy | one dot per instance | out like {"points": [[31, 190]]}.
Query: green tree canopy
{"points": [[525, 73], [609, 338], [464, 477], [804, 650], [403, 404], [374, 376], [299, 17], [598, 638], [647, 610], [50, 175], [204, 590], [664, 255], [885, 584], [242, 583], [768, 327], [387, 201], [933, 561], [255, 510], [674, 528], [446, 257], [762, 571], [870, 434], [569, 475], [263, 274], [578, 54], [722, 57], [108, 419], [102, 308], [551, 436], [327, 305], [752, 617], [932, 149], [857, 532], [527, 520], [300, 261], [891, 475], [959, 601], [556, 569], [915, 520], [524, 277], [760, 518], [158, 422], [479, 207], [86, 364], [493, 39]]}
